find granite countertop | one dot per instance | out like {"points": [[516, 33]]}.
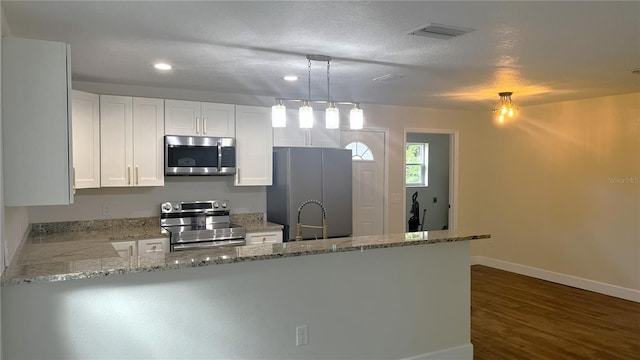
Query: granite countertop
{"points": [[84, 251]]}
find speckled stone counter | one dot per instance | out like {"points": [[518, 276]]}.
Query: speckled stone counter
{"points": [[62, 256], [254, 222]]}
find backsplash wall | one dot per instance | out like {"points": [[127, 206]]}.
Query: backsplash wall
{"points": [[114, 203]]}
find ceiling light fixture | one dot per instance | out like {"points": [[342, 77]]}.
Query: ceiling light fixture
{"points": [[332, 113], [162, 66], [356, 118], [290, 78], [306, 111], [278, 115], [505, 106]]}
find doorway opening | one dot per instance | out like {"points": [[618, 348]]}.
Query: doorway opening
{"points": [[430, 185]]}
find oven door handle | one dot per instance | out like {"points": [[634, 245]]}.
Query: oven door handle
{"points": [[208, 245], [219, 156]]}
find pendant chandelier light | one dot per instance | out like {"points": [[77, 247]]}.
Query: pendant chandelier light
{"points": [[505, 108], [305, 112]]}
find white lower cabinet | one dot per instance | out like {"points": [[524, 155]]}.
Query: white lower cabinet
{"points": [[254, 146], [153, 246], [126, 248], [264, 237], [144, 247]]}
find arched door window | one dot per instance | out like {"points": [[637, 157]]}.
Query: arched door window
{"points": [[360, 151]]}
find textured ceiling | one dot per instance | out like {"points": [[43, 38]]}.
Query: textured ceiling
{"points": [[542, 51]]}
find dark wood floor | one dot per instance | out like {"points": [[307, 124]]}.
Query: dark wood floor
{"points": [[518, 317]]}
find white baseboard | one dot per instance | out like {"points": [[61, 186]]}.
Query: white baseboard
{"points": [[564, 279], [462, 352]]}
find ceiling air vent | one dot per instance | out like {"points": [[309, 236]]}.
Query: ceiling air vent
{"points": [[388, 77], [439, 31]]}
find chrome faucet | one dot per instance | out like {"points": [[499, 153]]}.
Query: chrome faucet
{"points": [[299, 226]]}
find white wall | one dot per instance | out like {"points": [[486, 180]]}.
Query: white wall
{"points": [[563, 190], [469, 124], [145, 202], [2, 252], [547, 187], [2, 239], [378, 304]]}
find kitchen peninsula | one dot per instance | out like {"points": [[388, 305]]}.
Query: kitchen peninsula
{"points": [[387, 296]]}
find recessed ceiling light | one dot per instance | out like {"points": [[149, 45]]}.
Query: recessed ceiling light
{"points": [[290, 78], [162, 66]]}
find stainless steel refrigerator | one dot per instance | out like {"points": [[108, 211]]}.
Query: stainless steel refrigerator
{"points": [[301, 174]]}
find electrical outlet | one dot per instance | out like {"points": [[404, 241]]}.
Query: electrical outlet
{"points": [[302, 335], [106, 211]]}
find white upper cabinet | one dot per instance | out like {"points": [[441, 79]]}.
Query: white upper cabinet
{"points": [[132, 131], [218, 119], [148, 141], [254, 146], [36, 123], [194, 118], [116, 140], [86, 139], [318, 136], [182, 117]]}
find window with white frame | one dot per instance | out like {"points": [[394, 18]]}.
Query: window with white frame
{"points": [[360, 151], [416, 164]]}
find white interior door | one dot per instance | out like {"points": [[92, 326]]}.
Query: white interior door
{"points": [[368, 157]]}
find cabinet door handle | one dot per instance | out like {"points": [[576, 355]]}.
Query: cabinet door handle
{"points": [[197, 125], [130, 250], [74, 181], [137, 175], [129, 175], [204, 125]]}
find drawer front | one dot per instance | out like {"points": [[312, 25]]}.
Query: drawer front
{"points": [[125, 248], [266, 237], [153, 246]]}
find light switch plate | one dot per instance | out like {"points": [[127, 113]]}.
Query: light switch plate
{"points": [[302, 335]]}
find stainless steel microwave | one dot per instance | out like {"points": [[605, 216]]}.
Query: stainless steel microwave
{"points": [[194, 155]]}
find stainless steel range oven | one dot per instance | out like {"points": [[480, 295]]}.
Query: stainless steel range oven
{"points": [[200, 225]]}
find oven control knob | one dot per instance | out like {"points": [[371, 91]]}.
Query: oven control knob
{"points": [[224, 205], [176, 207], [166, 207], [216, 205]]}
